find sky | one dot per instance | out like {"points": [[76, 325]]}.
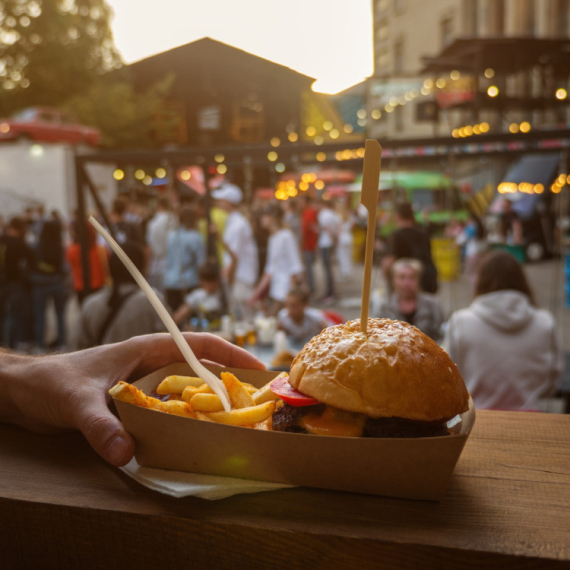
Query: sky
{"points": [[330, 40]]}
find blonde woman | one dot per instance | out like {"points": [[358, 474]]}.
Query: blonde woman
{"points": [[407, 303]]}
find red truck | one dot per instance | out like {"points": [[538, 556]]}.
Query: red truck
{"points": [[44, 124]]}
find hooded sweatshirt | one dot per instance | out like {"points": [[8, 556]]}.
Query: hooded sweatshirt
{"points": [[506, 350]]}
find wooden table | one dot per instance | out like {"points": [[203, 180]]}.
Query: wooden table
{"points": [[508, 506]]}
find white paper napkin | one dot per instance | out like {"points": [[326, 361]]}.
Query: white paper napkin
{"points": [[181, 484]]}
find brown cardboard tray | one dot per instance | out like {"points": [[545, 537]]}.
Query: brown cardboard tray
{"points": [[406, 468]]}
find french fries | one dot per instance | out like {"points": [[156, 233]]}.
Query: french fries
{"points": [[264, 395], [176, 384], [239, 396], [189, 392], [206, 403], [192, 398], [244, 416], [132, 395]]}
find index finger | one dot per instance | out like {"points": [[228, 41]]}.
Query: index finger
{"points": [[158, 350], [211, 347]]}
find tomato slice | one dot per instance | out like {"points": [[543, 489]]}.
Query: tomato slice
{"points": [[290, 395]]}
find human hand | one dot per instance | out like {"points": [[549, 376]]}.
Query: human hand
{"points": [[70, 391]]}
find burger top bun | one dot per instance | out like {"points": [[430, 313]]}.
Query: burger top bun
{"points": [[396, 371]]}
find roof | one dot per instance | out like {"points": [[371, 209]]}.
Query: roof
{"points": [[505, 55], [209, 50]]}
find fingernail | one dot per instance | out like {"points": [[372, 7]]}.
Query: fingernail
{"points": [[117, 450]]}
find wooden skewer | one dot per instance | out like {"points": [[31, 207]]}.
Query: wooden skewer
{"points": [[215, 383], [369, 199]]}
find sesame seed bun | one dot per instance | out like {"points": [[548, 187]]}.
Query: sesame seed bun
{"points": [[394, 371]]}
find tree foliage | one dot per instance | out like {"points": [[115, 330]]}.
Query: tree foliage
{"points": [[60, 53], [51, 50], [125, 118]]}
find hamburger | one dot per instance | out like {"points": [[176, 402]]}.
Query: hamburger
{"points": [[393, 382]]}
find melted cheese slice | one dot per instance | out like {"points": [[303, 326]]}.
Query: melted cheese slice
{"points": [[334, 422]]}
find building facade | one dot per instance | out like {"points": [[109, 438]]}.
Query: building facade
{"points": [[406, 102]]}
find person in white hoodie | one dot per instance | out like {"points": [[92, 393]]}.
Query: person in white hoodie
{"points": [[506, 349]]}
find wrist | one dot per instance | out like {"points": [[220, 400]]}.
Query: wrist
{"points": [[13, 370]]}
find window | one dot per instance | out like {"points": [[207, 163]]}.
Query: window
{"points": [[470, 17], [47, 117], [399, 57], [562, 16], [496, 24], [399, 117], [382, 61], [446, 27], [399, 6], [527, 20], [382, 31], [248, 121], [382, 5], [68, 119]]}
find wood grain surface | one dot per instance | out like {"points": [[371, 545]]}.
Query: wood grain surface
{"points": [[508, 506]]}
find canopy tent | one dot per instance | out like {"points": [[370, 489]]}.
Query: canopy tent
{"points": [[529, 169], [413, 180], [327, 175]]}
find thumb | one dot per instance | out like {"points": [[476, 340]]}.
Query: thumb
{"points": [[105, 433]]}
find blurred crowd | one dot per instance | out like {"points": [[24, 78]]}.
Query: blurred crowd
{"points": [[260, 260]]}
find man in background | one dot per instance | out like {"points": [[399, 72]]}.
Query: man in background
{"points": [[240, 268], [16, 262], [310, 239], [123, 226], [329, 229], [157, 232], [121, 311], [411, 242]]}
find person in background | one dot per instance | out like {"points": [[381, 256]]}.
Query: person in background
{"points": [[329, 228], [297, 320], [122, 225], [292, 219], [218, 218], [407, 303], [510, 226], [283, 268], [35, 218], [157, 232], [186, 251], [98, 263], [507, 350], [50, 282], [428, 226], [410, 241], [120, 311], [345, 242], [310, 238], [453, 229], [473, 239], [240, 271], [16, 262], [205, 302]]}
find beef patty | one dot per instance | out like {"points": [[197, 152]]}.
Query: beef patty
{"points": [[287, 418]]}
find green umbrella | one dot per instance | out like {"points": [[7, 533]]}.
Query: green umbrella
{"points": [[420, 179]]}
